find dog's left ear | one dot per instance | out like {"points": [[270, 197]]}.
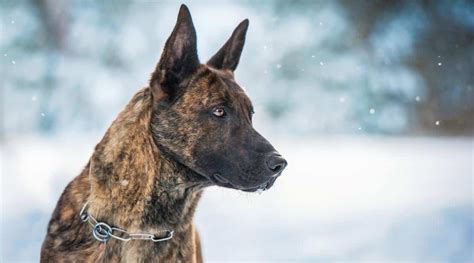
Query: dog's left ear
{"points": [[179, 59], [229, 55]]}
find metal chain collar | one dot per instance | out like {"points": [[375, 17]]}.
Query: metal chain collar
{"points": [[103, 232]]}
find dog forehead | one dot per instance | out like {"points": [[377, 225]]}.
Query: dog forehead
{"points": [[221, 73], [213, 86], [227, 78], [218, 82], [231, 87], [237, 96]]}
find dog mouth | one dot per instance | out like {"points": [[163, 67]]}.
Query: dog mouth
{"points": [[263, 187], [219, 180]]}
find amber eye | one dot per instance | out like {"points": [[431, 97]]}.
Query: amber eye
{"points": [[218, 112]]}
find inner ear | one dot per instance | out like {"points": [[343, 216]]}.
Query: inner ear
{"points": [[229, 55], [179, 59]]}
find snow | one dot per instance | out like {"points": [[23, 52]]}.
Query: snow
{"points": [[341, 198]]}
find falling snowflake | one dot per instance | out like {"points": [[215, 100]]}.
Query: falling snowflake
{"points": [[342, 99], [313, 56], [440, 64], [42, 114], [372, 111], [437, 123], [278, 65], [13, 22], [417, 98], [5, 54], [33, 98], [321, 63], [13, 62], [320, 23]]}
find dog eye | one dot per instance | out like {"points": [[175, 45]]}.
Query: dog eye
{"points": [[218, 112]]}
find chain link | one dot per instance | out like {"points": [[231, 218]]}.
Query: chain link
{"points": [[102, 232]]}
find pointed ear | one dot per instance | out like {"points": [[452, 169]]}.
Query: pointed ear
{"points": [[229, 55], [179, 59]]}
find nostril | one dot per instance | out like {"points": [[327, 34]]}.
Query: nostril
{"points": [[277, 168], [276, 163]]}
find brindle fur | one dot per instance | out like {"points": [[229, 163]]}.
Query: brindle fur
{"points": [[147, 173]]}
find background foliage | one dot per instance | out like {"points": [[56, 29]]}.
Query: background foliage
{"points": [[391, 67]]}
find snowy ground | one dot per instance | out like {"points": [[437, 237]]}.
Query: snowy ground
{"points": [[356, 199]]}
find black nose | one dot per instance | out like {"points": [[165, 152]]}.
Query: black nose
{"points": [[276, 163]]}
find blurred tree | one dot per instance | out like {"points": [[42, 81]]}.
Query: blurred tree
{"points": [[393, 67], [54, 17], [443, 55]]}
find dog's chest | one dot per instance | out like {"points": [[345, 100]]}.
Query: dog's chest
{"points": [[177, 250]]}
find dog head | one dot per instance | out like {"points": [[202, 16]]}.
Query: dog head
{"points": [[203, 119]]}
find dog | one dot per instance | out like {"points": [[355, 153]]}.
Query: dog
{"points": [[189, 129]]}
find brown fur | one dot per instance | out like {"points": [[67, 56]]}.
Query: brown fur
{"points": [[127, 152], [147, 173]]}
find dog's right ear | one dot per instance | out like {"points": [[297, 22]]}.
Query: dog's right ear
{"points": [[179, 59], [229, 55]]}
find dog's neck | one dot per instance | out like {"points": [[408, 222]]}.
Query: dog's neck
{"points": [[133, 184]]}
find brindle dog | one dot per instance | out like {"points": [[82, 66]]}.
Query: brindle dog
{"points": [[190, 128]]}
